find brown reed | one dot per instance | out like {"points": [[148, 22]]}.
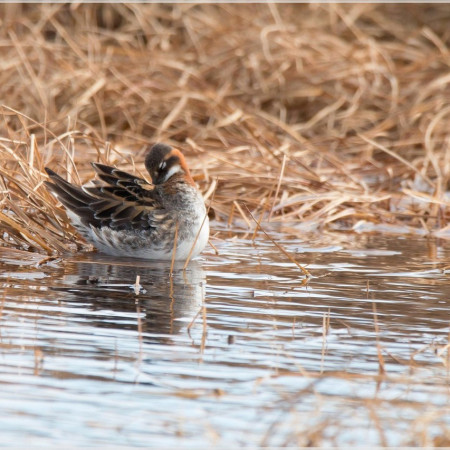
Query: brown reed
{"points": [[321, 115]]}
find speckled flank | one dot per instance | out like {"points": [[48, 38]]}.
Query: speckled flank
{"points": [[157, 243]]}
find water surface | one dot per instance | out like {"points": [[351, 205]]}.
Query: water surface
{"points": [[233, 351]]}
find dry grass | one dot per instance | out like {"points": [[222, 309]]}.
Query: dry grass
{"points": [[325, 115]]}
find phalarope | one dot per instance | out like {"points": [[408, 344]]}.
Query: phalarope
{"points": [[124, 215]]}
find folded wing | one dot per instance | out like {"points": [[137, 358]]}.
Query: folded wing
{"points": [[120, 200]]}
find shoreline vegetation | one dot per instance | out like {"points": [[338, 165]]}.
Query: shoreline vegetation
{"points": [[322, 116]]}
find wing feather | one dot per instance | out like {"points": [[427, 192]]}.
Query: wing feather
{"points": [[120, 200]]}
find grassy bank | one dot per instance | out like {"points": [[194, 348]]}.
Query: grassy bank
{"points": [[319, 115]]}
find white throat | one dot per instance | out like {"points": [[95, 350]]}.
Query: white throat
{"points": [[172, 171]]}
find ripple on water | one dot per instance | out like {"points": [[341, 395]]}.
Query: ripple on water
{"points": [[233, 351]]}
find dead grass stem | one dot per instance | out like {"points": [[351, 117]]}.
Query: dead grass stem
{"points": [[334, 115]]}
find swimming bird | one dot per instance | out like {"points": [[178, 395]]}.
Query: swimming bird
{"points": [[124, 215]]}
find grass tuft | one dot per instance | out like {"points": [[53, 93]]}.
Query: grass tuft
{"points": [[322, 115]]}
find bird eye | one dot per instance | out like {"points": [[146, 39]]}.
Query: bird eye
{"points": [[162, 165]]}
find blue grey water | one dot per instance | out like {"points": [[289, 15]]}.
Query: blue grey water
{"points": [[233, 351]]}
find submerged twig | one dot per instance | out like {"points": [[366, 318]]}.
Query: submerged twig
{"points": [[280, 247]]}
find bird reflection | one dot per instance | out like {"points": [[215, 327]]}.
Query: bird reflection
{"points": [[136, 293]]}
